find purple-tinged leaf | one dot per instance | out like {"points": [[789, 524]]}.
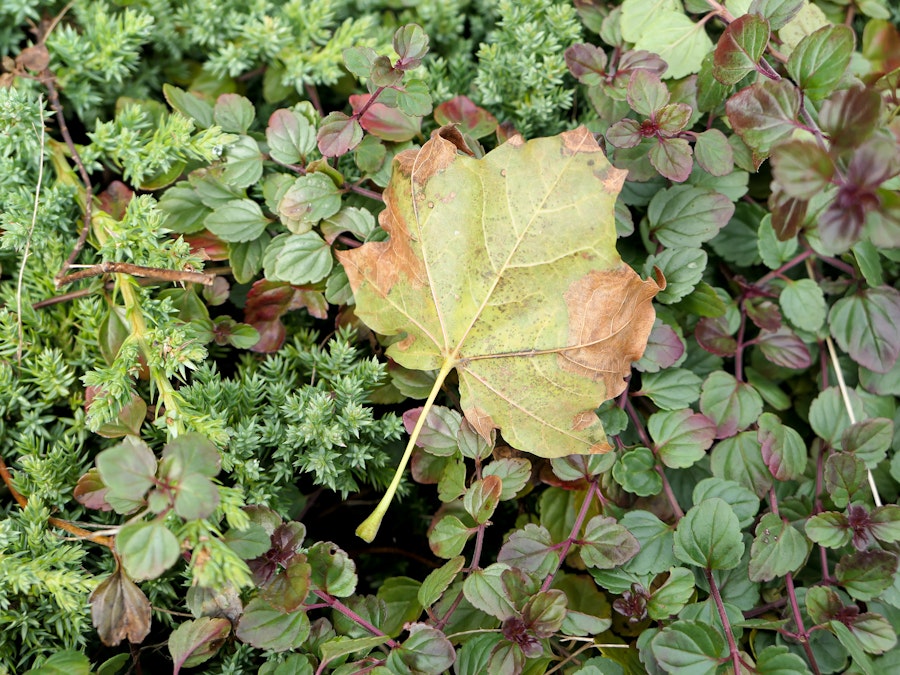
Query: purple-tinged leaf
{"points": [[646, 93], [730, 404], [587, 63], [784, 348], [788, 213], [875, 633], [829, 529], [819, 60], [845, 477], [664, 348], [384, 74], [740, 48], [869, 439], [606, 544], [640, 59], [482, 497], [763, 313], [120, 610], [866, 574], [196, 641], [763, 114], [411, 44], [823, 603], [625, 133], [713, 335], [530, 549], [439, 433], [885, 523], [713, 153], [802, 169], [673, 158], [682, 437], [777, 12], [881, 46], [90, 491], [866, 326], [338, 134], [673, 117], [288, 589], [426, 650], [544, 613], [850, 116], [389, 124], [783, 449]]}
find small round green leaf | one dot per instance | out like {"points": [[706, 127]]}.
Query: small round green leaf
{"points": [[238, 220], [709, 536], [147, 549]]}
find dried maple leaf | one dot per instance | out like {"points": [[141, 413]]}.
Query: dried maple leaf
{"points": [[505, 268]]}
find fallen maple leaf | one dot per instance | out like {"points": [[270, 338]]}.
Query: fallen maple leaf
{"points": [[505, 268]]}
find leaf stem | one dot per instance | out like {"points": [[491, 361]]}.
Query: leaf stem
{"points": [[368, 529], [339, 606], [723, 617], [573, 535], [27, 250], [845, 394]]}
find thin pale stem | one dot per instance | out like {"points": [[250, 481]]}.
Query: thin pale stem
{"points": [[845, 394], [368, 529], [27, 250]]}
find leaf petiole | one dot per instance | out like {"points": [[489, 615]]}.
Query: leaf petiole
{"points": [[368, 529]]}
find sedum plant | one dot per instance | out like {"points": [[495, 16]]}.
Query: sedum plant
{"points": [[645, 352]]}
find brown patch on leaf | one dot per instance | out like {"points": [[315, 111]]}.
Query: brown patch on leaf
{"points": [[610, 317], [120, 610], [481, 422], [579, 140], [584, 419]]}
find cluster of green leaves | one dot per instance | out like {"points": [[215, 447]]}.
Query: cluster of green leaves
{"points": [[746, 519]]}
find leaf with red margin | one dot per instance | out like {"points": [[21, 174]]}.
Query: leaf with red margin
{"points": [[763, 114], [389, 124], [268, 301], [740, 48], [472, 120], [784, 348], [207, 245]]}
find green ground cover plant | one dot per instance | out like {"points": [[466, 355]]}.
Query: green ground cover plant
{"points": [[598, 299]]}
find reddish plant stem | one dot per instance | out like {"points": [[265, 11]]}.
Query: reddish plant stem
{"points": [[573, 535], [71, 528], [638, 425], [65, 297], [137, 271], [339, 606], [723, 617], [739, 351], [798, 617], [793, 262], [803, 634], [670, 493], [48, 80]]}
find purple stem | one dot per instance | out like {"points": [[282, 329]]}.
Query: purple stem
{"points": [[573, 535]]}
